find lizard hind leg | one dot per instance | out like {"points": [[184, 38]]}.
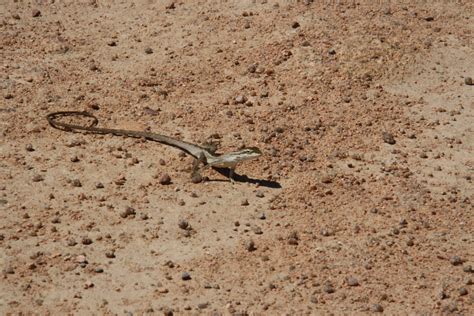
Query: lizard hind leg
{"points": [[195, 172]]}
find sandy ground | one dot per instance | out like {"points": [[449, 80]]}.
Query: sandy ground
{"points": [[363, 199]]}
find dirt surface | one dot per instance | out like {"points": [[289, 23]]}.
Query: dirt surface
{"points": [[362, 201]]}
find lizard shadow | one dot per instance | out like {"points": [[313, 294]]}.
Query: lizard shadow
{"points": [[243, 178]]}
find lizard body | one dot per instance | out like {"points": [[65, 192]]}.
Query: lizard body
{"points": [[202, 154]]}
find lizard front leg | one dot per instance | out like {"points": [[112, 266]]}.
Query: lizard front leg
{"points": [[231, 175]]}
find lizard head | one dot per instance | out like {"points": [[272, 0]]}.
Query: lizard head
{"points": [[249, 153]]}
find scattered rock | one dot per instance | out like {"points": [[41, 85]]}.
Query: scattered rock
{"points": [[423, 155], [81, 259], [71, 242], [9, 270], [127, 212], [250, 245], [120, 180], [351, 281], [86, 241], [328, 288], [203, 305], [456, 260], [257, 230], [29, 147], [196, 178], [388, 138], [148, 50], [295, 25], [165, 179], [240, 99], [183, 224], [37, 178], [185, 276], [110, 254], [293, 238], [244, 202], [377, 308], [463, 291], [468, 81], [35, 13], [76, 183]]}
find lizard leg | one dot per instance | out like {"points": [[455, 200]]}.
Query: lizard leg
{"points": [[195, 173], [231, 175]]}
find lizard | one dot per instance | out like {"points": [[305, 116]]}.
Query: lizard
{"points": [[205, 155]]}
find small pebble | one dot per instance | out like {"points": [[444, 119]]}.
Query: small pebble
{"points": [[328, 288], [196, 178], [183, 224], [37, 178], [81, 259], [295, 25], [99, 185], [377, 308], [35, 13], [9, 270], [71, 242], [29, 147], [257, 230], [388, 138], [99, 270], [148, 50], [203, 305], [127, 212], [240, 99], [185, 276], [250, 245], [76, 183], [86, 241], [456, 260], [165, 179], [468, 81], [463, 291], [110, 254], [244, 202], [351, 281]]}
